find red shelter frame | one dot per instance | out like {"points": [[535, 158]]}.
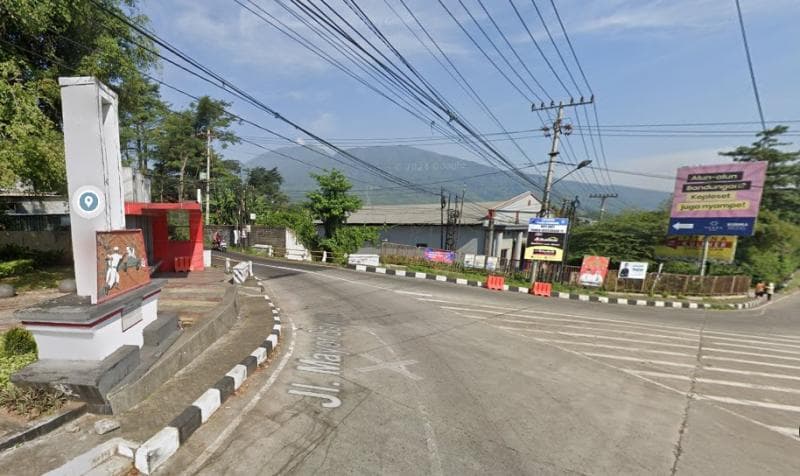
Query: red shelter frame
{"points": [[165, 250]]}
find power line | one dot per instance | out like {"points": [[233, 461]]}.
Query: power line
{"points": [[750, 66]]}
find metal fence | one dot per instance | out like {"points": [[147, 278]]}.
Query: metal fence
{"points": [[654, 283]]}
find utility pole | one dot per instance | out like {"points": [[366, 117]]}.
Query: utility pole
{"points": [[558, 129], [441, 219], [603, 197], [208, 173]]}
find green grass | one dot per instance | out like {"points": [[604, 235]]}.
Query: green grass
{"points": [[30, 403], [46, 278], [469, 275]]}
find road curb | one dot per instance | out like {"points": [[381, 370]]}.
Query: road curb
{"points": [[43, 428], [158, 449], [556, 294]]}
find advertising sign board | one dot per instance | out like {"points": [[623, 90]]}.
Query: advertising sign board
{"points": [[632, 270], [368, 260], [593, 271], [439, 256], [721, 249], [546, 239], [469, 260], [491, 263], [480, 261], [717, 199]]}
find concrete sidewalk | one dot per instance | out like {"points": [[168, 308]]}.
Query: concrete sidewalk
{"points": [[148, 417]]}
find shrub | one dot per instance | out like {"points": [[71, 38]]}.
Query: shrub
{"points": [[16, 267], [18, 341], [40, 258]]}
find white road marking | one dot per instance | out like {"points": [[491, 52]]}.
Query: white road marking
{"points": [[412, 293], [430, 435], [637, 359], [756, 340], [517, 312], [620, 339], [606, 346], [399, 367], [589, 356], [753, 362], [755, 347], [751, 372], [751, 403], [729, 383], [237, 420], [603, 329], [753, 354]]}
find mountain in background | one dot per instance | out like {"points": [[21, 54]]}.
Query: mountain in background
{"points": [[480, 182]]}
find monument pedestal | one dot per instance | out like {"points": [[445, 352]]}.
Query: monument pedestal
{"points": [[86, 349]]}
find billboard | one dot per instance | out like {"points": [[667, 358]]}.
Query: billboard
{"points": [[717, 199], [593, 271], [546, 239], [721, 249], [439, 256], [469, 260], [632, 270]]}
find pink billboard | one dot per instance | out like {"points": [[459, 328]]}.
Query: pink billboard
{"points": [[717, 199]]}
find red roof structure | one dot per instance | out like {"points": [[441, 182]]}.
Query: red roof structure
{"points": [[169, 251]]}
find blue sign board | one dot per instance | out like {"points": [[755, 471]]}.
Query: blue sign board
{"points": [[712, 226]]}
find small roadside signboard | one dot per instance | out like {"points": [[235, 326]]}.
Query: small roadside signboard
{"points": [[632, 270], [717, 199], [721, 249], [546, 239]]}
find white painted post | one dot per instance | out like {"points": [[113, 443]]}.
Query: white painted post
{"points": [[250, 267], [94, 172], [227, 265], [324, 256]]}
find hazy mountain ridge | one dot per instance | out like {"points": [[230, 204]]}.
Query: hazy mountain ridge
{"points": [[432, 170]]}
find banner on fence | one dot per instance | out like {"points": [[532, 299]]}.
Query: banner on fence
{"points": [[632, 270], [439, 256], [721, 249], [480, 261], [593, 271], [469, 260], [717, 199], [491, 263], [368, 260]]}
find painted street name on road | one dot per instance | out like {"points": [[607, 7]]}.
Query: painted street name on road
{"points": [[326, 359]]}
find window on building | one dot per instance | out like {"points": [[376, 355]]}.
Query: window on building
{"points": [[178, 225]]}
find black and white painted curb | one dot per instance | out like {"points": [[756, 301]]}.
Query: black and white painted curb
{"points": [[556, 294], [155, 451]]}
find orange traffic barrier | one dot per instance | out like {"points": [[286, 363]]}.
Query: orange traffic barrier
{"points": [[183, 264], [541, 289], [495, 282]]}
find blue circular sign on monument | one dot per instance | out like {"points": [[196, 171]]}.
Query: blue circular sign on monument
{"points": [[88, 201]]}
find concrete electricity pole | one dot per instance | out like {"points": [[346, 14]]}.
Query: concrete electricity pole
{"points": [[208, 173], [558, 128], [603, 197]]}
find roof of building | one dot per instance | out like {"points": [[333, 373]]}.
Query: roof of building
{"points": [[431, 213]]}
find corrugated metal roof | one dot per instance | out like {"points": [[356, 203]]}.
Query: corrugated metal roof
{"points": [[515, 210]]}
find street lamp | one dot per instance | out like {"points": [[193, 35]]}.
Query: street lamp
{"points": [[549, 185]]}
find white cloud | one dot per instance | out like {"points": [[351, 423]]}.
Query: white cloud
{"points": [[324, 124]]}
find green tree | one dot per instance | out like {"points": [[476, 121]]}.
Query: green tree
{"points": [[266, 183], [782, 187], [181, 147], [628, 236], [330, 203], [42, 40]]}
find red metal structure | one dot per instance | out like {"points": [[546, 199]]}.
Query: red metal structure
{"points": [[169, 251]]}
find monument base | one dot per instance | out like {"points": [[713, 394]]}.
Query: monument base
{"points": [[90, 381], [71, 328], [85, 350]]}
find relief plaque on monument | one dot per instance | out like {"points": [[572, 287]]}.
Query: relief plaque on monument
{"points": [[121, 262]]}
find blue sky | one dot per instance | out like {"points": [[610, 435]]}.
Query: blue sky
{"points": [[648, 61]]}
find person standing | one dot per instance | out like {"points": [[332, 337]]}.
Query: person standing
{"points": [[760, 289], [770, 291]]}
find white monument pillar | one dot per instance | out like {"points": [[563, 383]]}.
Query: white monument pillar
{"points": [[94, 172]]}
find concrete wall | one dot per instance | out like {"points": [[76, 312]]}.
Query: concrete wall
{"points": [[470, 238], [275, 237], [38, 240]]}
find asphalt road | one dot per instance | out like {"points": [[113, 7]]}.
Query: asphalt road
{"points": [[384, 375]]}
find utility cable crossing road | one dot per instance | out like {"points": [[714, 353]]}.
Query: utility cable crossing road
{"points": [[378, 375]]}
